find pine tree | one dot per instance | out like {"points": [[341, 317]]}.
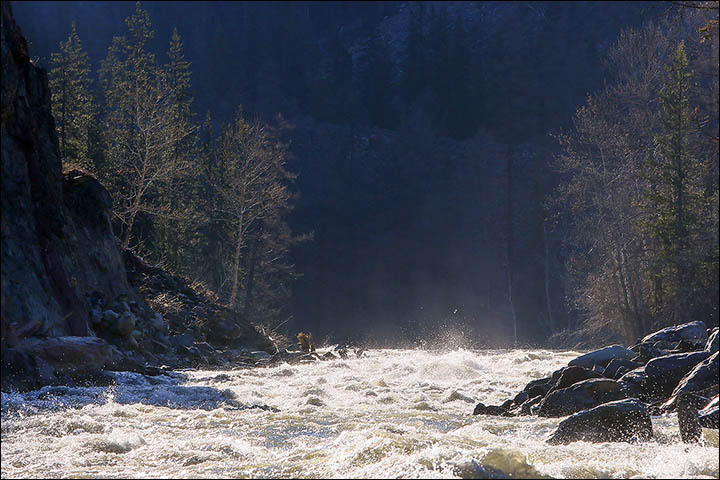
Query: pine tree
{"points": [[175, 234], [72, 102], [673, 195]]}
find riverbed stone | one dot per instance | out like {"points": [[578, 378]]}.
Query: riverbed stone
{"points": [[580, 396], [602, 356], [617, 421]]}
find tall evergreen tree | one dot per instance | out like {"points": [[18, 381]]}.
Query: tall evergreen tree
{"points": [[72, 101], [175, 234], [673, 195]]}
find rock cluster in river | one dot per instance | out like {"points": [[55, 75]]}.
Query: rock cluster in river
{"points": [[609, 394], [73, 303]]}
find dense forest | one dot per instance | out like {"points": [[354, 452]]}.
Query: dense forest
{"points": [[520, 172]]}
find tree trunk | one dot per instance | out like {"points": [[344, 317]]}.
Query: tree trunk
{"points": [[251, 276], [236, 264]]}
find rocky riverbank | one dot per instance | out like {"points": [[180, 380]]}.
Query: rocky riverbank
{"points": [[610, 394]]}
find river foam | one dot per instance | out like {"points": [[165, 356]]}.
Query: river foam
{"points": [[391, 413]]}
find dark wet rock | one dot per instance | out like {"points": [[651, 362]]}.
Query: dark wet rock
{"points": [[572, 375], [688, 420], [507, 403], [702, 376], [22, 371], [620, 372], [342, 352], [648, 352], [683, 346], [602, 356], [493, 410], [664, 373], [472, 469], [70, 353], [527, 407], [711, 345], [224, 332], [709, 415], [329, 356], [613, 368], [580, 396], [92, 378], [693, 332], [544, 383], [520, 398], [617, 421]]}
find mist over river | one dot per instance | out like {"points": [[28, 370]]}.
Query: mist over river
{"points": [[392, 413]]}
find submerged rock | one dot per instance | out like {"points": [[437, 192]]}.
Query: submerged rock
{"points": [[618, 421], [493, 410]]}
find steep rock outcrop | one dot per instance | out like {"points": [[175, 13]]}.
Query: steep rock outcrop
{"points": [[57, 245]]}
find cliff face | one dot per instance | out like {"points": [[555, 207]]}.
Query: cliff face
{"points": [[57, 245], [67, 307]]}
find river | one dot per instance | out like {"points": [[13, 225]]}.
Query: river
{"points": [[390, 414]]}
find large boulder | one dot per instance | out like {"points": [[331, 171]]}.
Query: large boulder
{"points": [[580, 396], [664, 373], [693, 332], [615, 366], [701, 377], [23, 371], [67, 354], [573, 375], [618, 421], [602, 357]]}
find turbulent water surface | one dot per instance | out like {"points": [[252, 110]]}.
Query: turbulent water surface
{"points": [[392, 413]]}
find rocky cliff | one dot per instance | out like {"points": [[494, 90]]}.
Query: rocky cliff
{"points": [[67, 306]]}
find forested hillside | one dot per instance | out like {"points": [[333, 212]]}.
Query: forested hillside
{"points": [[509, 170]]}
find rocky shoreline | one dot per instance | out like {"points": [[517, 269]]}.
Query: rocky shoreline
{"points": [[610, 394]]}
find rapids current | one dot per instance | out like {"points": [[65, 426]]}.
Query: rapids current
{"points": [[390, 414]]}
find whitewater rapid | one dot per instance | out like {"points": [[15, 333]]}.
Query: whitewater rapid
{"points": [[390, 414]]}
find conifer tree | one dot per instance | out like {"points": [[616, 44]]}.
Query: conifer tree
{"points": [[72, 102], [175, 234], [673, 195]]}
